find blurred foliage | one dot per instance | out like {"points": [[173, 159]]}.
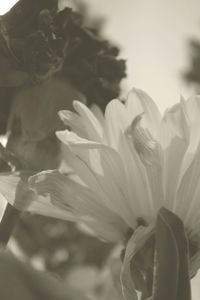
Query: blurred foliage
{"points": [[47, 59], [192, 74], [58, 245], [56, 43], [18, 280]]}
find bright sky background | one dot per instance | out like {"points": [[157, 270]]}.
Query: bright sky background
{"points": [[5, 5], [153, 35]]}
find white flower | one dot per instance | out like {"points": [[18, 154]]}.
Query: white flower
{"points": [[129, 165]]}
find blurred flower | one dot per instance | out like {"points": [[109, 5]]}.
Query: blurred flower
{"points": [[30, 283], [95, 283]]}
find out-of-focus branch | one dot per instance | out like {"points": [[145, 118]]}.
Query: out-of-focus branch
{"points": [[8, 223]]}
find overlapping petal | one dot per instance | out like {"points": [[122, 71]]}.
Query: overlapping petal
{"points": [[139, 102], [14, 189], [129, 164], [101, 168], [74, 122], [92, 125], [136, 162], [73, 201], [117, 123], [174, 142], [135, 243]]}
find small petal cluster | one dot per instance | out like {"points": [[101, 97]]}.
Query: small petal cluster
{"points": [[128, 164]]}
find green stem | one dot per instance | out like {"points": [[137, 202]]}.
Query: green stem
{"points": [[8, 223]]}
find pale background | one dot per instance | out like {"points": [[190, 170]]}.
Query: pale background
{"points": [[153, 36]]}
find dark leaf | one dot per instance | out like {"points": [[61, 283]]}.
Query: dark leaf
{"points": [[172, 275]]}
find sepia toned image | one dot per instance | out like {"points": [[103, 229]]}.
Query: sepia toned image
{"points": [[99, 150]]}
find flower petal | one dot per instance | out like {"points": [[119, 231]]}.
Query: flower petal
{"points": [[139, 102], [150, 154], [189, 191], [70, 139], [14, 189], [192, 115], [98, 113], [117, 121], [173, 139], [101, 168], [137, 240], [92, 125], [136, 177], [73, 121], [74, 202]]}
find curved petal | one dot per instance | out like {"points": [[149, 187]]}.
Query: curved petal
{"points": [[191, 111], [174, 124], [139, 102], [8, 186], [101, 168], [73, 121], [173, 157], [188, 195], [74, 202], [43, 206], [149, 154], [92, 125], [98, 113], [174, 142], [117, 120], [135, 243], [117, 123], [181, 134], [136, 177], [71, 139], [14, 189]]}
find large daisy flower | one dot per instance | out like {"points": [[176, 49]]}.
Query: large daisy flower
{"points": [[128, 164]]}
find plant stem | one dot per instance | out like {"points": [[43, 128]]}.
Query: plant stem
{"points": [[7, 225]]}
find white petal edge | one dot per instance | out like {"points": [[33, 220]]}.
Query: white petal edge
{"points": [[92, 125], [139, 102]]}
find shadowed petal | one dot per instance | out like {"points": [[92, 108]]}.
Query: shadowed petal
{"points": [[174, 142], [73, 121], [14, 189], [191, 109], [150, 154], [136, 242], [75, 202], [101, 168]]}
